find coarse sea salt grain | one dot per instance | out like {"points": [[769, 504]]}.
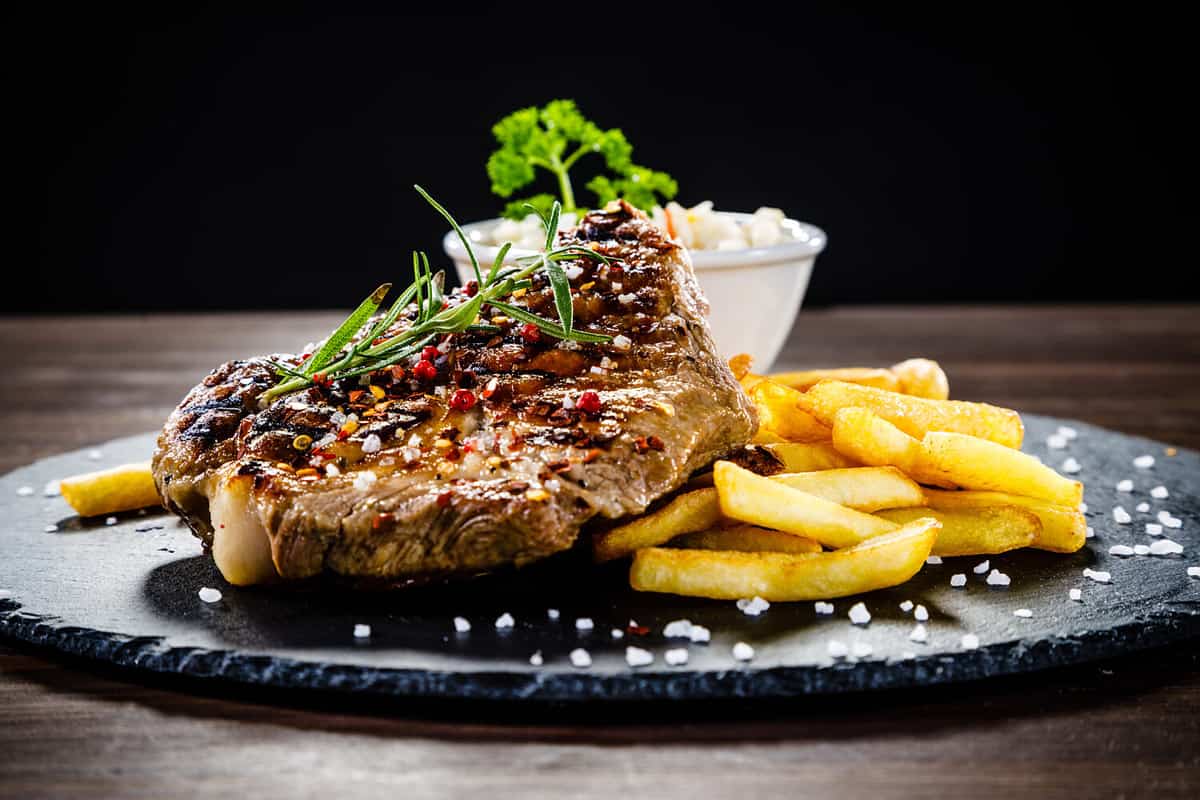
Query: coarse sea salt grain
{"points": [[1165, 547], [637, 657], [1169, 521], [1024, 613], [676, 657], [552, 613], [998, 578], [970, 641], [1067, 432], [822, 607], [461, 624], [25, 491], [1154, 529], [580, 658], [1121, 516], [700, 634], [1098, 575], [622, 342], [678, 629], [1120, 550], [584, 624], [1142, 508], [210, 595], [1144, 462], [1076, 595], [1083, 507], [1125, 485], [372, 444], [859, 614], [982, 567], [862, 650], [364, 479], [958, 580], [617, 633], [919, 634], [753, 607], [505, 620], [837, 649], [50, 528], [1090, 532], [95, 455], [1193, 572], [921, 614], [933, 560], [1071, 466], [626, 299], [906, 606], [1159, 493], [536, 660], [110, 520], [572, 272], [1141, 550], [1056, 441], [362, 631], [51, 489], [743, 651]]}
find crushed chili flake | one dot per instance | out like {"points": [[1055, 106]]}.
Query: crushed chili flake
{"points": [[559, 466], [616, 270], [443, 499], [638, 630], [355, 394], [592, 455], [377, 523], [397, 372], [490, 389], [462, 400], [589, 402]]}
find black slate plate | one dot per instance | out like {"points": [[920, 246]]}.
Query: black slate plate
{"points": [[127, 593]]}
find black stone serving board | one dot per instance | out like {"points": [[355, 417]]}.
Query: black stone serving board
{"points": [[127, 594]]}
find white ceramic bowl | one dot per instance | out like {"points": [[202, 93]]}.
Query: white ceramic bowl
{"points": [[754, 293]]}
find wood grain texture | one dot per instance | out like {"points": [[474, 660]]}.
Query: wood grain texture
{"points": [[1129, 727]]}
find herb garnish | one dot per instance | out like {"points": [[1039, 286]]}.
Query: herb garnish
{"points": [[539, 138], [340, 357]]}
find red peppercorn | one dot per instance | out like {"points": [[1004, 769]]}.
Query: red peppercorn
{"points": [[443, 499], [589, 402], [429, 353], [530, 332], [472, 288], [425, 371], [462, 400]]}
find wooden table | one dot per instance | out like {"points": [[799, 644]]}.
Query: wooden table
{"points": [[1128, 727]]}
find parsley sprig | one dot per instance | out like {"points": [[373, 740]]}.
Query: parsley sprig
{"points": [[344, 356], [554, 138]]}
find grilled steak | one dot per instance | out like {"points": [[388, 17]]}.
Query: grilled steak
{"points": [[500, 458]]}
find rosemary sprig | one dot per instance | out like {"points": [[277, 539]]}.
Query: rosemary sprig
{"points": [[341, 356]]}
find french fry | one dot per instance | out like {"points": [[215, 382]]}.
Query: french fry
{"points": [[809, 456], [886, 560], [765, 436], [691, 511], [988, 530], [975, 463], [768, 503], [864, 376], [921, 377], [123, 488], [748, 539], [860, 488], [779, 414], [916, 416], [1064, 529], [740, 365], [867, 438]]}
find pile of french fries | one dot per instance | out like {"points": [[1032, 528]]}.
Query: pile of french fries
{"points": [[881, 470]]}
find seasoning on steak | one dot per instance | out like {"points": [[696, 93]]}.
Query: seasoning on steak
{"points": [[496, 451]]}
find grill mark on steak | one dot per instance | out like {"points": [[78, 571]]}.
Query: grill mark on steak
{"points": [[507, 481]]}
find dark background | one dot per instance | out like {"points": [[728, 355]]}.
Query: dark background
{"points": [[234, 158]]}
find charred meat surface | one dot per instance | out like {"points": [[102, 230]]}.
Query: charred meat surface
{"points": [[494, 447]]}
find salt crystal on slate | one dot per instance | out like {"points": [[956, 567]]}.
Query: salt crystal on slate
{"points": [[637, 657], [51, 489], [1083, 507], [753, 607], [743, 651], [210, 595], [1125, 485], [95, 455], [50, 528], [1141, 550], [110, 521], [1144, 462], [1056, 442], [862, 650], [1154, 529], [1169, 521], [1090, 532], [581, 658], [859, 614], [700, 634], [906, 606], [933, 560], [970, 641], [505, 620], [1121, 516], [958, 580], [1120, 550], [461, 625], [1159, 493], [998, 578], [676, 657], [919, 634], [1098, 575], [1067, 432], [584, 624], [552, 613], [678, 629], [617, 633], [921, 614], [823, 608], [536, 659], [25, 491], [837, 649], [1024, 613], [1071, 466], [1142, 508], [362, 631], [982, 567], [1077, 595], [1193, 572], [1165, 547]]}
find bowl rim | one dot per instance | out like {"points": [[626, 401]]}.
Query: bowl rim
{"points": [[808, 242]]}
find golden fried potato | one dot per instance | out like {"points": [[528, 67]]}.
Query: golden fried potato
{"points": [[123, 488], [988, 530], [1064, 529], [864, 376], [865, 437], [886, 560], [740, 365], [861, 488], [779, 414], [922, 377], [974, 463], [748, 539], [809, 456], [751, 498], [691, 511], [916, 416]]}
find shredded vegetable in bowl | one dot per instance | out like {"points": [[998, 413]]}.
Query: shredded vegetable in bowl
{"points": [[698, 228]]}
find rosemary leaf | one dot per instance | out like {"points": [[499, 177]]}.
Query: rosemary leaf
{"points": [[345, 332]]}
